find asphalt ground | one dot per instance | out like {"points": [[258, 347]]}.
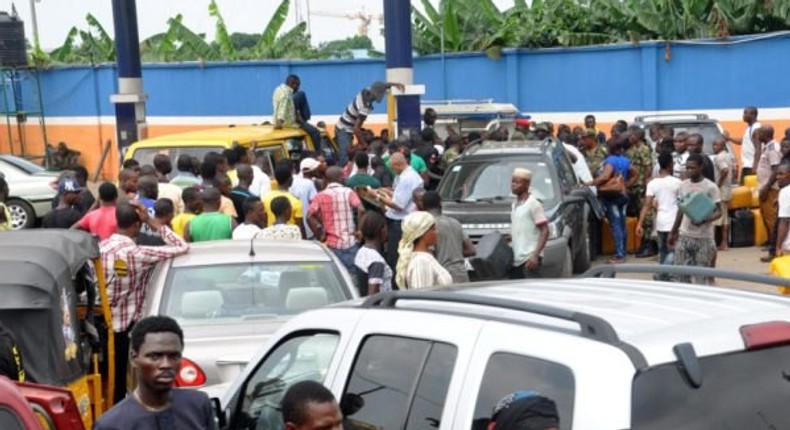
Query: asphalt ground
{"points": [[735, 259]]}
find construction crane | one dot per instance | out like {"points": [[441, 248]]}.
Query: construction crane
{"points": [[365, 19]]}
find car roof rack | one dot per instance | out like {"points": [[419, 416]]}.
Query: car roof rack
{"points": [[698, 116], [610, 270], [591, 326]]}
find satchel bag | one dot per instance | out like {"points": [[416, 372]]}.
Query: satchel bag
{"points": [[613, 186]]}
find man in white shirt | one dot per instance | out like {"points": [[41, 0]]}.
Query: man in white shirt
{"points": [[400, 204], [747, 141], [662, 193], [680, 155], [783, 238], [254, 220], [529, 228]]}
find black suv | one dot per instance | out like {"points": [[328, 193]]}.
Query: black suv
{"points": [[476, 191]]}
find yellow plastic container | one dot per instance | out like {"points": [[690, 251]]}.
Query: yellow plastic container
{"points": [[741, 198], [760, 235], [780, 266], [631, 243], [750, 181]]}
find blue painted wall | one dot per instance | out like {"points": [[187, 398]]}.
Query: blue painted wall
{"points": [[612, 78]]}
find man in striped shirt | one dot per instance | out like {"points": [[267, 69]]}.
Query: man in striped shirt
{"points": [[127, 267], [350, 123]]}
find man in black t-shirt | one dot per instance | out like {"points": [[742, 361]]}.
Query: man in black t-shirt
{"points": [[156, 346], [66, 214]]}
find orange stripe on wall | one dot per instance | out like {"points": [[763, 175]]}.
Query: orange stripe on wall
{"points": [[89, 139]]}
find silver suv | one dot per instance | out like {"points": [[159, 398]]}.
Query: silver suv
{"points": [[613, 353]]}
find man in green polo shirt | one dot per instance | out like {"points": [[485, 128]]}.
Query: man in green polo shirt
{"points": [[415, 161], [211, 224]]}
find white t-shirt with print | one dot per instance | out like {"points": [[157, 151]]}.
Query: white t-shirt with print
{"points": [[665, 192]]}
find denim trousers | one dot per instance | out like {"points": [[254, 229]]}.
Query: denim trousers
{"points": [[615, 212], [344, 140], [315, 135], [347, 256]]}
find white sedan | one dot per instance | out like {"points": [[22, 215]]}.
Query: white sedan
{"points": [[31, 188]]}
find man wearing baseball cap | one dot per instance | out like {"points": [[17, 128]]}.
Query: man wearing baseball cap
{"points": [[350, 123], [65, 214]]}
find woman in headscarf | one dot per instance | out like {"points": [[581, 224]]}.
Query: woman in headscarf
{"points": [[417, 267]]}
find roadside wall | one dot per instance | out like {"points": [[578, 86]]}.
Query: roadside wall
{"points": [[560, 85]]}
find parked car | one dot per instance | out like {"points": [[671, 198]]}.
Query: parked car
{"points": [[700, 123], [475, 190], [612, 353], [31, 187], [230, 296]]}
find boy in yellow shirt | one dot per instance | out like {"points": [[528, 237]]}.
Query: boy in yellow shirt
{"points": [[193, 205]]}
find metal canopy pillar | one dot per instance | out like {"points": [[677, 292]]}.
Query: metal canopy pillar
{"points": [[129, 103], [397, 40]]}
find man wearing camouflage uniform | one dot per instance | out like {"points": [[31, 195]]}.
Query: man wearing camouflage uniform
{"points": [[641, 157]]}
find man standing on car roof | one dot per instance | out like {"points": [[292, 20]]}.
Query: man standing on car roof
{"points": [[349, 125], [747, 141], [284, 113], [127, 267], [529, 228], [157, 343]]}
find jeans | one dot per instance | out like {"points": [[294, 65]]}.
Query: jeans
{"points": [[344, 140], [347, 256], [615, 212], [665, 255], [314, 134]]}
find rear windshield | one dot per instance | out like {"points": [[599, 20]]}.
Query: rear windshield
{"points": [[232, 293], [146, 155], [744, 390]]}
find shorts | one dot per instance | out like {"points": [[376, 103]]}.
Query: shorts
{"points": [[724, 219]]}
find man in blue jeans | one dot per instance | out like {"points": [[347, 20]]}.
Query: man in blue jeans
{"points": [[303, 114], [349, 125]]}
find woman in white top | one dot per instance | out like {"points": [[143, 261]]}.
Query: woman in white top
{"points": [[417, 267]]}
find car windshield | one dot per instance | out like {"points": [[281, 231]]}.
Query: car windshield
{"points": [[229, 293], [146, 155], [753, 385], [23, 164], [708, 130], [489, 181]]}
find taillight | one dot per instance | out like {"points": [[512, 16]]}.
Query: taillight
{"points": [[764, 335], [190, 375]]}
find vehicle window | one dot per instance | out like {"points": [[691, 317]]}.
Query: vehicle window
{"points": [[709, 131], [564, 171], [399, 383], [9, 420], [268, 157], [11, 172], [146, 155], [507, 373], [472, 181], [231, 293], [299, 358], [753, 385]]}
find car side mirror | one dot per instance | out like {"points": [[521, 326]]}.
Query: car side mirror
{"points": [[219, 416]]}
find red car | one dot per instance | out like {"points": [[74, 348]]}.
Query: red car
{"points": [[28, 406]]}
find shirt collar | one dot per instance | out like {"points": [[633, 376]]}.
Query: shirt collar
{"points": [[334, 185]]}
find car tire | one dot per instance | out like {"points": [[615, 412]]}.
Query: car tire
{"points": [[22, 214], [582, 260], [567, 264]]}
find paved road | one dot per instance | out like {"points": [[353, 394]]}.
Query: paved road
{"points": [[736, 259]]}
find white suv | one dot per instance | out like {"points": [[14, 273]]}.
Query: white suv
{"points": [[613, 353]]}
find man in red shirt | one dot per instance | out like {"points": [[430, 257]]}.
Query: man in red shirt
{"points": [[331, 217], [101, 222]]}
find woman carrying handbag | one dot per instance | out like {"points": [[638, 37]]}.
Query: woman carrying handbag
{"points": [[618, 174]]}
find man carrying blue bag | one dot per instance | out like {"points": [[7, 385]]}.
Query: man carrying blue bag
{"points": [[693, 231]]}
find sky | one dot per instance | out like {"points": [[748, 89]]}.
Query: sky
{"points": [[57, 17]]}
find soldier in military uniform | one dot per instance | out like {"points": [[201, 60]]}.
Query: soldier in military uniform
{"points": [[641, 157], [594, 154]]}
